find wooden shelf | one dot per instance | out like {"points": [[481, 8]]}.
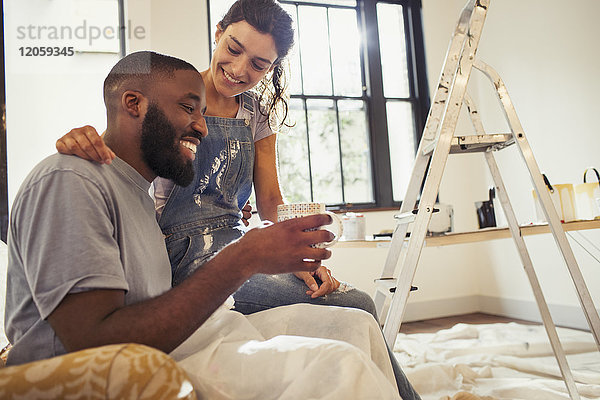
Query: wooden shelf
{"points": [[474, 236]]}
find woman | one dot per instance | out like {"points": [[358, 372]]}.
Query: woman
{"points": [[252, 40]]}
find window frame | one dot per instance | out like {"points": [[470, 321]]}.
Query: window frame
{"points": [[418, 88], [373, 94]]}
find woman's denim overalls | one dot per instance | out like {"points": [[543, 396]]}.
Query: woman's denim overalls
{"points": [[200, 219]]}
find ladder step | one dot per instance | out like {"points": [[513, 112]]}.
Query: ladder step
{"points": [[388, 285], [405, 218], [480, 143], [474, 143], [409, 217]]}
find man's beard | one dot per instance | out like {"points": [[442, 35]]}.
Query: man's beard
{"points": [[161, 148]]}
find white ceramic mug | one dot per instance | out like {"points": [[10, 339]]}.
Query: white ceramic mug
{"points": [[297, 210]]}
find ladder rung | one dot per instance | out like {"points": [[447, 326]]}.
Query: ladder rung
{"points": [[480, 143], [388, 285], [474, 143], [405, 218]]}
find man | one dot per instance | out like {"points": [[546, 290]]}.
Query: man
{"points": [[88, 266]]}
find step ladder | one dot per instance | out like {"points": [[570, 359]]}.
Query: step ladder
{"points": [[437, 142]]}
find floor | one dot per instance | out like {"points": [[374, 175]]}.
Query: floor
{"points": [[434, 325], [495, 358]]}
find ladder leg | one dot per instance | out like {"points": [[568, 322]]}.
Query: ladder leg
{"points": [[533, 280], [558, 233]]}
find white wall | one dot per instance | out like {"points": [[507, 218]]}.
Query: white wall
{"points": [[542, 49], [176, 27], [47, 96]]}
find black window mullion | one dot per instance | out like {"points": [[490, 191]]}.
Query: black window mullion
{"points": [[304, 104], [415, 28], [122, 35], [381, 167], [339, 134], [409, 50], [363, 77], [300, 54], [310, 177], [329, 51]]}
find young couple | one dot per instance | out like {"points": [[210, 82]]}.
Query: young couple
{"points": [[199, 219]]}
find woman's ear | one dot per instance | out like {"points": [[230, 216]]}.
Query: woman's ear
{"points": [[132, 102], [218, 33]]}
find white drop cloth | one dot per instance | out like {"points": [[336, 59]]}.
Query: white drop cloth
{"points": [[503, 361], [294, 352]]}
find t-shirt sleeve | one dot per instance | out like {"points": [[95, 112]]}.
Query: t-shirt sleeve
{"points": [[261, 128], [66, 238]]}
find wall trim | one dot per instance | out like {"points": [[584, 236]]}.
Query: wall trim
{"points": [[563, 315], [441, 308]]}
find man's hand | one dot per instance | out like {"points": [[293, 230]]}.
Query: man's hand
{"points": [[246, 213], [283, 247], [85, 143], [329, 283]]}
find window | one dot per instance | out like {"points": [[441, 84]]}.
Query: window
{"points": [[359, 100]]}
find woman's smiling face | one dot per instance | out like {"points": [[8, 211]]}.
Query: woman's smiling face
{"points": [[242, 58]]}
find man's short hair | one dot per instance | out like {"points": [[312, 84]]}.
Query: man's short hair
{"points": [[142, 67]]}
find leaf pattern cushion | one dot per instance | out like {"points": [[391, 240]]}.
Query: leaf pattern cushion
{"points": [[123, 371]]}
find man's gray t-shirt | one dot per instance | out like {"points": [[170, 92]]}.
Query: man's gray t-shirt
{"points": [[75, 226]]}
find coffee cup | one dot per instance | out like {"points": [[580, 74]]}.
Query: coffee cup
{"points": [[297, 210]]}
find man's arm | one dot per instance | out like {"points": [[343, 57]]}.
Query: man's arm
{"points": [[100, 317]]}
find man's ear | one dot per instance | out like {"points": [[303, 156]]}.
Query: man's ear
{"points": [[133, 103]]}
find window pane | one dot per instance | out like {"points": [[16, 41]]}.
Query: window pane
{"points": [[392, 41], [294, 55], [314, 50], [345, 52], [292, 152], [356, 154], [402, 144], [324, 151]]}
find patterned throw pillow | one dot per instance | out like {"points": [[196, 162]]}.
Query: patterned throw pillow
{"points": [[123, 371]]}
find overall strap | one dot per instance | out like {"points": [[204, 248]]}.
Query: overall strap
{"points": [[247, 100]]}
